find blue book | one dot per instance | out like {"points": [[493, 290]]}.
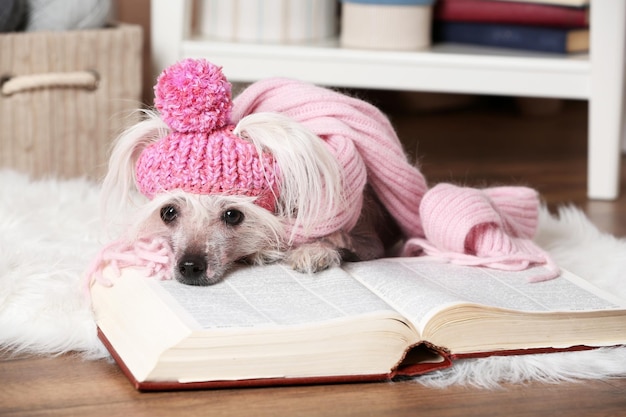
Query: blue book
{"points": [[530, 38]]}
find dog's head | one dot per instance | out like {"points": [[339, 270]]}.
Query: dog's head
{"points": [[208, 232]]}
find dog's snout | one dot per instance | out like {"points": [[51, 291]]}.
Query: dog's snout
{"points": [[192, 269]]}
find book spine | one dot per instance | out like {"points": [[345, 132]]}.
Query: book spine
{"points": [[503, 36], [487, 11]]}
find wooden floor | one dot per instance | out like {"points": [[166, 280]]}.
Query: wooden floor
{"points": [[489, 144]]}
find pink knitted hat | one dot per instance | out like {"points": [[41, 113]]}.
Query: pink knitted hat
{"points": [[201, 155]]}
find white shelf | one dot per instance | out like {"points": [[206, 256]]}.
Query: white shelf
{"points": [[442, 68], [598, 77]]}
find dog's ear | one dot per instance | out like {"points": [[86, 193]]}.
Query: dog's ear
{"points": [[119, 185], [310, 178]]}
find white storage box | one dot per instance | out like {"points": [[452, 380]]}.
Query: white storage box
{"points": [[386, 24], [268, 21]]}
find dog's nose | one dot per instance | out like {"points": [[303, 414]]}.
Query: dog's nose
{"points": [[192, 268]]}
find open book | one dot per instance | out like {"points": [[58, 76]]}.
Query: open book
{"points": [[372, 320]]}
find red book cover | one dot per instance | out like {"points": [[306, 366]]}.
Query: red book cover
{"points": [[515, 13]]}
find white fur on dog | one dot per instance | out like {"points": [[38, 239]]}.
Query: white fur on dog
{"points": [[49, 231]]}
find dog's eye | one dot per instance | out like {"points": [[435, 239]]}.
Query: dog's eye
{"points": [[232, 217], [169, 214]]}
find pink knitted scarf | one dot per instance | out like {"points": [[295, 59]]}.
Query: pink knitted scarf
{"points": [[153, 255], [360, 137], [492, 228]]}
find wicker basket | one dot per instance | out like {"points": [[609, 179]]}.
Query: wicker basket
{"points": [[65, 96]]}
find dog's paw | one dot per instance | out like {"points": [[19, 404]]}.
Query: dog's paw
{"points": [[313, 257]]}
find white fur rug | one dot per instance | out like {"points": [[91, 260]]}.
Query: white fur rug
{"points": [[49, 232]]}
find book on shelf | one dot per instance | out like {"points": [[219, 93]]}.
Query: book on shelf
{"points": [[514, 13], [530, 38], [367, 321]]}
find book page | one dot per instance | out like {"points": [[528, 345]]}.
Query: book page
{"points": [[418, 287], [274, 295]]}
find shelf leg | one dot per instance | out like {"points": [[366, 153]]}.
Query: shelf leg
{"points": [[606, 102]]}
